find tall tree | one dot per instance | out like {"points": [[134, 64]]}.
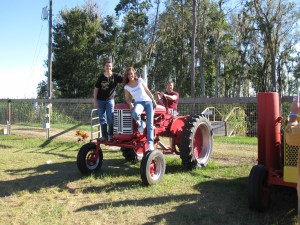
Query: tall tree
{"points": [[134, 31], [193, 55], [75, 51], [171, 58], [108, 37], [202, 43], [228, 58], [271, 22]]}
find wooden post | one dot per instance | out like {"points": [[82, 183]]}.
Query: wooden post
{"points": [[9, 116]]}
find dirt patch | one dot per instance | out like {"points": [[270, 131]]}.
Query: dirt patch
{"points": [[60, 134], [235, 160]]}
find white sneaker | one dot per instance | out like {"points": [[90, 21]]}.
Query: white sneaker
{"points": [[139, 156], [150, 147]]}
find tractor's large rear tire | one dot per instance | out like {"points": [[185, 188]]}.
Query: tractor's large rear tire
{"points": [[153, 166], [87, 161], [258, 189], [196, 142]]}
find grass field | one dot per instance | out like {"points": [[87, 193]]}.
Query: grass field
{"points": [[40, 184]]}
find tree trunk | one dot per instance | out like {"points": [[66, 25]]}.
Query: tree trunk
{"points": [[193, 49]]}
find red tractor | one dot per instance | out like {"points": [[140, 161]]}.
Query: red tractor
{"points": [[277, 161], [190, 137]]}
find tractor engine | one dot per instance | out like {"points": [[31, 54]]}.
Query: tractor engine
{"points": [[123, 123], [125, 128]]}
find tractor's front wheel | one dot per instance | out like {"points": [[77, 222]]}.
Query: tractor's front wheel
{"points": [[87, 159], [258, 189], [196, 142], [153, 166]]}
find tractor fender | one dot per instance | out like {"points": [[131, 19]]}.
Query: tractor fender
{"points": [[177, 124]]}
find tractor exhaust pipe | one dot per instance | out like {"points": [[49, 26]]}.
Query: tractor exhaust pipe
{"points": [[268, 128]]}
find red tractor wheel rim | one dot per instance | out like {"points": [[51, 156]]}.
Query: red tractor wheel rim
{"points": [[152, 168], [197, 143], [91, 159]]}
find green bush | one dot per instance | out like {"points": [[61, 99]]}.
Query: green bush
{"points": [[236, 123]]}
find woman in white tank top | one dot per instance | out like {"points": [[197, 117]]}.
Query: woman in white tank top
{"points": [[136, 89]]}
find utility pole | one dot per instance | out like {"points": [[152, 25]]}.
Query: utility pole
{"points": [[49, 105], [50, 52]]}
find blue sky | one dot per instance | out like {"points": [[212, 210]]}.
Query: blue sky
{"points": [[24, 43]]}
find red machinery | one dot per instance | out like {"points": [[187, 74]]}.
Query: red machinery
{"points": [[277, 161], [190, 137]]}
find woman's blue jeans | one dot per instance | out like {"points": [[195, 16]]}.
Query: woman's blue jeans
{"points": [[139, 107], [106, 116]]}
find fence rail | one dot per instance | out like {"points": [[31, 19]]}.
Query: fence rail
{"points": [[26, 115]]}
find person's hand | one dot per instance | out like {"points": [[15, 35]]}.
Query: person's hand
{"points": [[157, 95], [131, 107], [154, 104], [96, 104]]}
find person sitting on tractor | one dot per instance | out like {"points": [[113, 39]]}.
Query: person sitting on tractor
{"points": [[292, 136], [136, 90], [169, 98]]}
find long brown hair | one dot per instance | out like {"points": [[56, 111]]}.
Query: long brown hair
{"points": [[126, 73]]}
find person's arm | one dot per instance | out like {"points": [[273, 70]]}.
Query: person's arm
{"points": [[128, 99], [169, 97], [157, 96], [149, 94], [95, 97]]}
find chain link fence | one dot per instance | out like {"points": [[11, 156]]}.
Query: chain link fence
{"points": [[28, 116]]}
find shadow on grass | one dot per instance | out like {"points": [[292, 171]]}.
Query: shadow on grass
{"points": [[43, 176], [225, 202], [48, 141], [219, 202], [5, 146], [60, 174], [57, 151], [142, 202], [215, 202]]}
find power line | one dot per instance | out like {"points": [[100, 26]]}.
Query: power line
{"points": [[38, 47]]}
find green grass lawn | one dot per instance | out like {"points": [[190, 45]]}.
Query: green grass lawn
{"points": [[40, 184]]}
